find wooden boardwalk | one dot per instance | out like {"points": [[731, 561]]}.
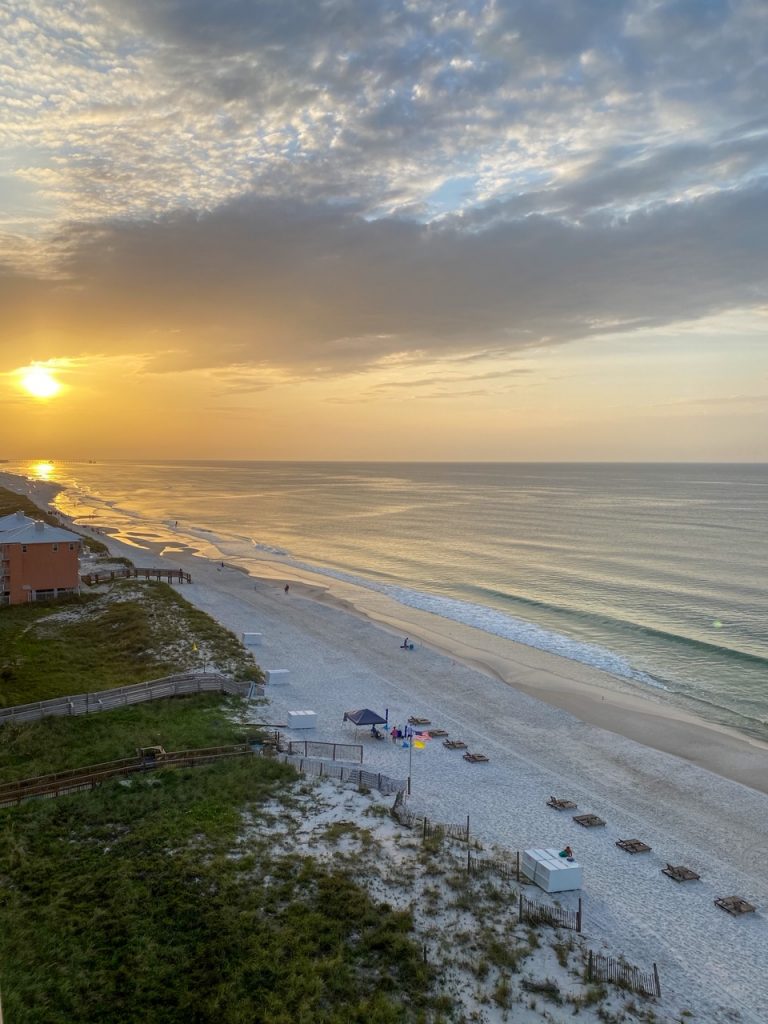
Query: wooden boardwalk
{"points": [[106, 700], [92, 579], [78, 780]]}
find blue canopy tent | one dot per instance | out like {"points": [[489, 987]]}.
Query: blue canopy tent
{"points": [[364, 717]]}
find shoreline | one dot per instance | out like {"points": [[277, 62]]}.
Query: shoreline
{"points": [[588, 694], [591, 695], [552, 730]]}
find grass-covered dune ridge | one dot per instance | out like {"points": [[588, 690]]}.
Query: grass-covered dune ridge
{"points": [[138, 902], [129, 632]]}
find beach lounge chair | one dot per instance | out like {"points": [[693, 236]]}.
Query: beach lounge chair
{"points": [[475, 758], [561, 805], [438, 732], [734, 905], [680, 873], [588, 820], [633, 845], [413, 720], [455, 744]]}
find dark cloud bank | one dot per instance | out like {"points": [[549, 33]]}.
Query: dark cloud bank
{"points": [[319, 287]]}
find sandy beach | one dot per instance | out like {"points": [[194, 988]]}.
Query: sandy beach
{"points": [[694, 792], [339, 661]]}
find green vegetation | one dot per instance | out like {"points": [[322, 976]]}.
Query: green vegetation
{"points": [[138, 902], [57, 744], [141, 900], [135, 631]]}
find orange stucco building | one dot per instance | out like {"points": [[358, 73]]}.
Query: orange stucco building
{"points": [[37, 561]]}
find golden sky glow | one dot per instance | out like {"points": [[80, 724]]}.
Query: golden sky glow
{"points": [[39, 382], [430, 231]]}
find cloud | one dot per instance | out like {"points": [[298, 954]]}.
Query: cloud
{"points": [[316, 289], [137, 110], [269, 183]]}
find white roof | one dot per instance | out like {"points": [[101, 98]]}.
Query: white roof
{"points": [[38, 533], [14, 521]]}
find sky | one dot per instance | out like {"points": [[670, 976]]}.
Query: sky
{"points": [[384, 229]]}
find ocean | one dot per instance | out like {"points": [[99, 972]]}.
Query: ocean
{"points": [[655, 573]]}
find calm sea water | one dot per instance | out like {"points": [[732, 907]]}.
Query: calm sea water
{"points": [[654, 572]]}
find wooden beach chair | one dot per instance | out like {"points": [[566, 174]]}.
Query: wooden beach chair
{"points": [[413, 720], [475, 758], [455, 744], [588, 820], [561, 805], [633, 845], [734, 905], [435, 733], [680, 873]]}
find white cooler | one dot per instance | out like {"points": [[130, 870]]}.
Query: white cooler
{"points": [[302, 719], [550, 871], [276, 676]]}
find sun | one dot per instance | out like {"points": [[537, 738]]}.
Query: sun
{"points": [[40, 383]]}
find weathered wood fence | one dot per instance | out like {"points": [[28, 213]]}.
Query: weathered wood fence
{"points": [[547, 913], [619, 972], [505, 869], [80, 779], [344, 773], [427, 827], [121, 696], [336, 751], [108, 575]]}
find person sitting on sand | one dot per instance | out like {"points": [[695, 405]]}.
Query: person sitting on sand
{"points": [[404, 645]]}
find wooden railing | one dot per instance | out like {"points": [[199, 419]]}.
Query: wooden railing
{"points": [[335, 751], [79, 779], [172, 575], [121, 696]]}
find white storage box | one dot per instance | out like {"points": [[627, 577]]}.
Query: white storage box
{"points": [[276, 676], [302, 719], [550, 871], [252, 639]]}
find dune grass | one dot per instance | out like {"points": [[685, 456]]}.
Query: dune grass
{"points": [[57, 744], [138, 902], [137, 630]]}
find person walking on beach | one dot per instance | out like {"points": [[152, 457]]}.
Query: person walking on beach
{"points": [[286, 588]]}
